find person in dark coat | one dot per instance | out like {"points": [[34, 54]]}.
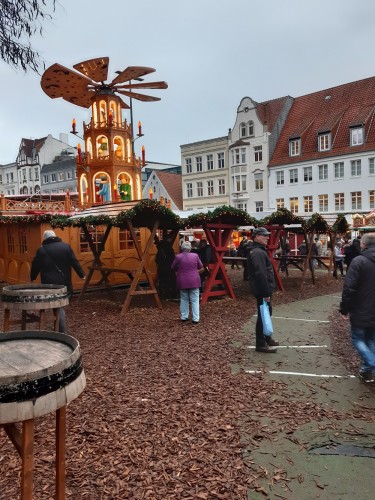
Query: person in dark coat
{"points": [[54, 261], [262, 284], [166, 276], [358, 305], [188, 266]]}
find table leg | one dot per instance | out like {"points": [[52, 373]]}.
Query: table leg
{"points": [[60, 452], [6, 319], [56, 313], [27, 455]]}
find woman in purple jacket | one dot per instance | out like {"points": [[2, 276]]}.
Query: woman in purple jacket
{"points": [[188, 266]]}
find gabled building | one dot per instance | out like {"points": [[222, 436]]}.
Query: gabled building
{"points": [[165, 187], [251, 144], [32, 155], [324, 160]]}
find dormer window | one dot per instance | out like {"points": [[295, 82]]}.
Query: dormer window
{"points": [[356, 136], [251, 128], [243, 130], [295, 147], [324, 141]]}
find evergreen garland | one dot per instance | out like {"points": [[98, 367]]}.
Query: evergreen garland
{"points": [[317, 224], [340, 225], [224, 214]]}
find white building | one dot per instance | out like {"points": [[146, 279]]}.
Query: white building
{"points": [[205, 179], [251, 144], [32, 155], [325, 158], [8, 179]]}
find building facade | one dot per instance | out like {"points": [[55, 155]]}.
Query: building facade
{"points": [[324, 160], [60, 176], [205, 174]]}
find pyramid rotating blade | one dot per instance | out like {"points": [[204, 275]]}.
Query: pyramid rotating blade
{"points": [[150, 85], [139, 97], [58, 81], [96, 69], [131, 73]]}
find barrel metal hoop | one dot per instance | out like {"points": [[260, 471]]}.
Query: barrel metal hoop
{"points": [[33, 389]]}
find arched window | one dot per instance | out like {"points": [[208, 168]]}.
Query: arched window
{"points": [[243, 130], [24, 190], [102, 146], [83, 188], [124, 184], [102, 187], [37, 189], [118, 144], [250, 126]]}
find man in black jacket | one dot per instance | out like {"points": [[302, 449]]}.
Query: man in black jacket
{"points": [[358, 305], [54, 261], [262, 284]]}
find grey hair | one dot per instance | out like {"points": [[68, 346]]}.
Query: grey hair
{"points": [[368, 240], [186, 246]]}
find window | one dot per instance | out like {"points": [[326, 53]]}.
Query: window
{"points": [[339, 170], [69, 175], [339, 201], [36, 173], [188, 165], [61, 176], [293, 205], [97, 235], [198, 163], [258, 178], [356, 136], [22, 240], [251, 128], [11, 177], [221, 186], [324, 142], [210, 162], [189, 190], [30, 174], [323, 202], [199, 188], [307, 203], [307, 174], [259, 206], [355, 168], [210, 188], [279, 203], [323, 172], [371, 197], [238, 156], [371, 166], [280, 177], [293, 175], [242, 206], [243, 130], [45, 179], [220, 160], [53, 177], [239, 183], [294, 147], [356, 200], [258, 155], [125, 239], [24, 174]]}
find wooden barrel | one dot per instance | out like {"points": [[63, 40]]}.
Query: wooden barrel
{"points": [[40, 372], [34, 297]]}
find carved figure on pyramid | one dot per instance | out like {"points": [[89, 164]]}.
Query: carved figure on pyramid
{"points": [[125, 189]]}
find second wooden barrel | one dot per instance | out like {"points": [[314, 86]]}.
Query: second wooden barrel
{"points": [[34, 297], [40, 372]]}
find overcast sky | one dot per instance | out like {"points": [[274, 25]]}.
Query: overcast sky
{"points": [[212, 53]]}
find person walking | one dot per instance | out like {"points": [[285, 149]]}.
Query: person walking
{"points": [[319, 249], [338, 257], [358, 305], [54, 261], [262, 284], [188, 267]]}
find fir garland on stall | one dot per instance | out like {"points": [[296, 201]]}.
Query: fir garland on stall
{"points": [[224, 214], [340, 225], [317, 224]]}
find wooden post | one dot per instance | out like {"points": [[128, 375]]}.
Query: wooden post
{"points": [[60, 452], [27, 456]]}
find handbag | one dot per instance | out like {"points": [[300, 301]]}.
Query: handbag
{"points": [[266, 319]]}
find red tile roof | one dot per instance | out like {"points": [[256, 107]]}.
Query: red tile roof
{"points": [[27, 145], [173, 185], [269, 111], [335, 109]]}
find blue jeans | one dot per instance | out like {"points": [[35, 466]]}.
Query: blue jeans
{"points": [[363, 340], [189, 295]]}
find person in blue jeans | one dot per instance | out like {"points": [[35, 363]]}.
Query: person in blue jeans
{"points": [[188, 267], [358, 305]]}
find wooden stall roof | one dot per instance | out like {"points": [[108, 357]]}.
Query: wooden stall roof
{"points": [[142, 213]]}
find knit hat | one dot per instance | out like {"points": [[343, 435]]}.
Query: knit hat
{"points": [[49, 234], [261, 231]]}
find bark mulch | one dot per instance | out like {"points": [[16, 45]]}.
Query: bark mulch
{"points": [[162, 412]]}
